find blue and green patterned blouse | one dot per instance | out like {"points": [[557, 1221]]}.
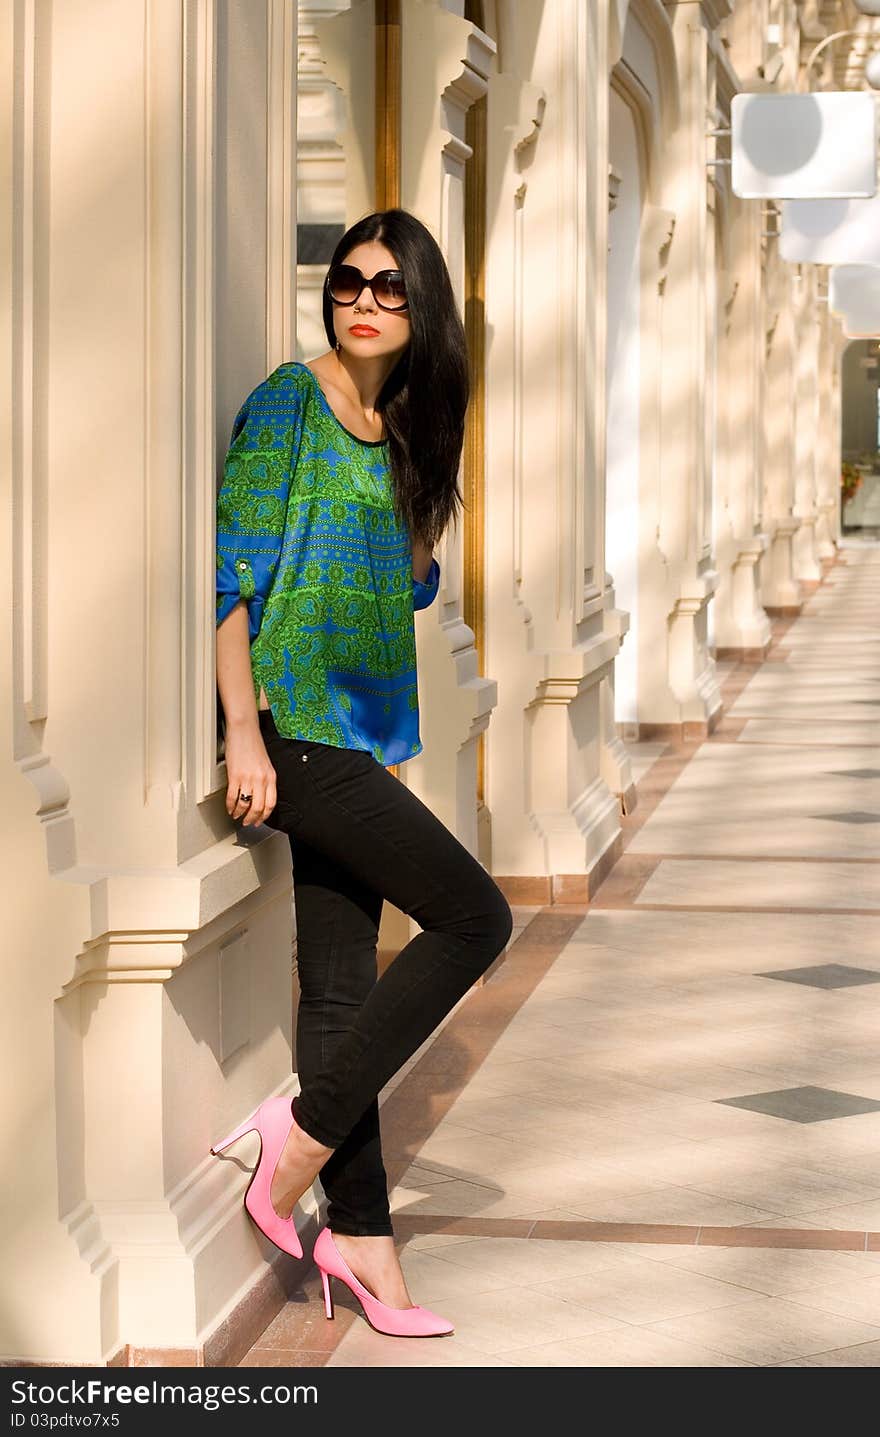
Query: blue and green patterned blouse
{"points": [[308, 537]]}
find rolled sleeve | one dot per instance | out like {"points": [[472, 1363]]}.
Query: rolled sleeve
{"points": [[425, 591], [252, 502]]}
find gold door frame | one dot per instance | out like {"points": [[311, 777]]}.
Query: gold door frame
{"points": [[388, 97]]}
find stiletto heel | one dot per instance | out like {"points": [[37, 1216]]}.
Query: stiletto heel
{"points": [[328, 1300], [248, 1126], [394, 1321], [273, 1121]]}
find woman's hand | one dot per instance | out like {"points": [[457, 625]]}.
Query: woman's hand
{"points": [[249, 771]]}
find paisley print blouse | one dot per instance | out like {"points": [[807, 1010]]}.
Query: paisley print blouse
{"points": [[307, 536]]}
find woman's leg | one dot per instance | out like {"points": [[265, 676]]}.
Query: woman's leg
{"points": [[337, 930], [358, 815], [346, 806]]}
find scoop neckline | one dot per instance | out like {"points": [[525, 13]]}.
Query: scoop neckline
{"points": [[368, 443]]}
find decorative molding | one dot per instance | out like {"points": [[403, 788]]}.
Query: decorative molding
{"points": [[626, 84], [654, 20], [472, 80], [658, 229], [27, 232], [727, 81], [582, 38], [695, 591], [474, 458], [535, 103], [750, 548], [29, 293], [571, 673], [163, 386], [520, 108], [199, 368], [459, 152], [145, 923], [519, 251]]}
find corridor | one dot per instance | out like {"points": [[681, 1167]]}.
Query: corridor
{"points": [[690, 1065]]}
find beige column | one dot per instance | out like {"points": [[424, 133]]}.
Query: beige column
{"points": [[806, 427], [828, 456], [555, 825], [740, 622], [780, 589], [685, 695], [446, 64], [836, 423], [148, 959]]}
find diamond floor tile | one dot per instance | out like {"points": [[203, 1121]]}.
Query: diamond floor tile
{"points": [[804, 1105], [825, 975]]}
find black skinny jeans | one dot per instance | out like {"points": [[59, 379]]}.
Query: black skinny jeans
{"points": [[359, 836]]}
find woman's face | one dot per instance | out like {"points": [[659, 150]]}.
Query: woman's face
{"points": [[363, 329]]}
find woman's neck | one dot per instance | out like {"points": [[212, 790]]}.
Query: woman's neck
{"points": [[361, 380]]}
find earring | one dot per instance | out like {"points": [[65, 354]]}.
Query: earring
{"points": [[338, 346]]}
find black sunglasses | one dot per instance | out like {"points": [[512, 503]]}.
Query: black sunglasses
{"points": [[345, 284]]}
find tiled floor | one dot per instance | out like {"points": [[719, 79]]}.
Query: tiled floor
{"points": [[637, 1144]]}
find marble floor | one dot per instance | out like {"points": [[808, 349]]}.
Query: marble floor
{"points": [[651, 1138]]}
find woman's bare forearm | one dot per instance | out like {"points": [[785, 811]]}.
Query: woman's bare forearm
{"points": [[234, 678]]}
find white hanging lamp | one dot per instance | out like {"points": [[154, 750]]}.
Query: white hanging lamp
{"points": [[815, 146], [830, 231]]}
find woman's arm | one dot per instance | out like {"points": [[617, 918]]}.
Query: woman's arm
{"points": [[248, 768], [251, 522], [234, 678]]}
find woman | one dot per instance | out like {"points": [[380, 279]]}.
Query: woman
{"points": [[341, 476]]}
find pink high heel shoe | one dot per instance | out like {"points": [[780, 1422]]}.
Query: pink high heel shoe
{"points": [[273, 1121], [394, 1321]]}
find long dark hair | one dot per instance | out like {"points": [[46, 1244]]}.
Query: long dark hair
{"points": [[425, 397]]}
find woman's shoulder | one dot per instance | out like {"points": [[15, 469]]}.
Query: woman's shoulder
{"points": [[292, 371], [289, 380]]}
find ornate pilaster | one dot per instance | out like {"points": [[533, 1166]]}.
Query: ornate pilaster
{"points": [[740, 624], [446, 67], [828, 444], [807, 568], [119, 958], [687, 695], [555, 824], [780, 589]]}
